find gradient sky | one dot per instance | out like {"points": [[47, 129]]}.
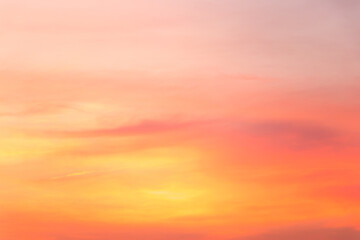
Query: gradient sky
{"points": [[179, 120]]}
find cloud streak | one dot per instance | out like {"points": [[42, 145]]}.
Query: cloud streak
{"points": [[142, 128], [308, 233]]}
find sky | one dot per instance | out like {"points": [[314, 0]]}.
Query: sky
{"points": [[179, 120]]}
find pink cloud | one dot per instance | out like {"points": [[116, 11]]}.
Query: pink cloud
{"points": [[308, 233]]}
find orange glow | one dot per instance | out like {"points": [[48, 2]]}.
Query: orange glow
{"points": [[179, 120]]}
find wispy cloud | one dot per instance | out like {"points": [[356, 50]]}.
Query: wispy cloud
{"points": [[142, 128], [297, 135], [73, 175], [307, 233]]}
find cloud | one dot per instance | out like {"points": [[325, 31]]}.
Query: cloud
{"points": [[347, 5], [137, 236], [345, 193], [46, 226], [281, 134], [296, 135], [72, 175], [308, 233], [40, 109], [142, 128]]}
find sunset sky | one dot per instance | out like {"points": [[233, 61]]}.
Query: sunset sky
{"points": [[180, 120]]}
